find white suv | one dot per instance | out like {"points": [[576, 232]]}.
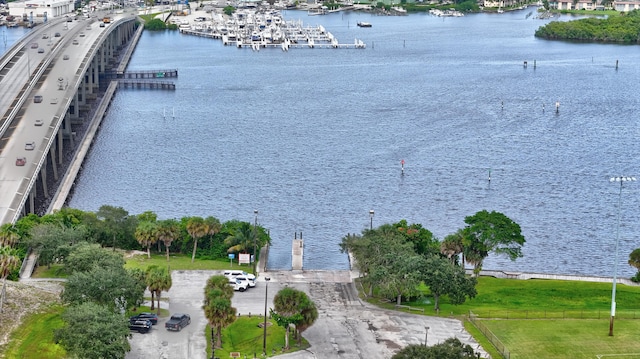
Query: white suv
{"points": [[234, 273], [238, 285], [245, 279]]}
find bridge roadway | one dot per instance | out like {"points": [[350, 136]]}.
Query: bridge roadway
{"points": [[66, 78]]}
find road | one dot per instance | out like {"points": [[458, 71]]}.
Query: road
{"points": [[346, 327]]}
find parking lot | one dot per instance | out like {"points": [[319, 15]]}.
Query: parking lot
{"points": [[346, 327]]}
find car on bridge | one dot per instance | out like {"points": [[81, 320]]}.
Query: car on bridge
{"points": [[30, 146], [34, 45], [75, 42], [65, 57], [41, 50], [21, 161], [57, 34], [37, 98], [39, 122]]}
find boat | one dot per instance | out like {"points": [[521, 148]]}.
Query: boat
{"points": [[364, 24]]}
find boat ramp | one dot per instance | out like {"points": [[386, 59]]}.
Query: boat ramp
{"points": [[265, 30]]}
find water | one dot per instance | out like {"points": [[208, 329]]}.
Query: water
{"points": [[313, 139]]}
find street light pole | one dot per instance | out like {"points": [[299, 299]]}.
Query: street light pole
{"points": [[264, 336], [255, 235], [426, 335], [371, 212], [620, 179]]}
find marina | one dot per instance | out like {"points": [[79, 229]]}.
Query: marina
{"points": [[255, 30]]}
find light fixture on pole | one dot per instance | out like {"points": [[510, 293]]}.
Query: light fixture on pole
{"points": [[620, 179], [264, 336], [426, 335], [255, 235], [371, 212]]}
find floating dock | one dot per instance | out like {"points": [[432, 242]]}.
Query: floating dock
{"points": [[259, 30]]}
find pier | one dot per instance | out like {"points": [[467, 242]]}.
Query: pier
{"points": [[146, 84]]}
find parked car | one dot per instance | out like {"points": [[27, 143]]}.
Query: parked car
{"points": [[235, 273], [140, 326], [152, 317], [177, 322], [238, 285], [244, 279]]}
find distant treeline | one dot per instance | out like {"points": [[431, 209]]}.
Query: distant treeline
{"points": [[624, 28]]}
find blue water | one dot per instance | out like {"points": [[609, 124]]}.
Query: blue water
{"points": [[313, 138]]}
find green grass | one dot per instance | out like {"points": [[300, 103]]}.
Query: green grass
{"points": [[570, 338], [246, 337], [511, 298], [34, 338], [181, 262], [55, 271]]}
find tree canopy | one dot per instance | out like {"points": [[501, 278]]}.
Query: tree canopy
{"points": [[623, 28], [451, 348]]}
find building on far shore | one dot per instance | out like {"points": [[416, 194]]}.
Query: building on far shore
{"points": [[41, 8]]}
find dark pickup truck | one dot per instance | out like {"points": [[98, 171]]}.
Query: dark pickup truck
{"points": [[177, 322]]}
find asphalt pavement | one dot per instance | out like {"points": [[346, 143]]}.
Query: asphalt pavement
{"points": [[346, 327]]}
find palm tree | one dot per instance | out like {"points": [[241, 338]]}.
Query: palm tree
{"points": [[292, 306], [147, 234], [451, 246], [197, 228], [158, 280], [214, 226], [241, 240], [8, 235], [219, 313], [218, 282], [168, 231], [9, 261]]}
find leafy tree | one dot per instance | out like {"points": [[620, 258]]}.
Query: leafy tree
{"points": [[229, 10], [400, 274], [113, 220], [423, 240], [292, 306], [443, 278], [93, 331], [147, 234], [9, 261], [634, 261], [168, 231], [491, 232], [52, 242], [155, 25], [452, 348], [111, 287], [86, 256]]}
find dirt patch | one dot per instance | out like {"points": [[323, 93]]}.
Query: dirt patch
{"points": [[24, 298]]}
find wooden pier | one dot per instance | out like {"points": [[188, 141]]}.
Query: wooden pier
{"points": [[146, 84]]}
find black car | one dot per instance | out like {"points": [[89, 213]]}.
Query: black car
{"points": [[140, 326], [153, 318]]}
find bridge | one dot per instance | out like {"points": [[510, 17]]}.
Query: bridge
{"points": [[53, 87]]}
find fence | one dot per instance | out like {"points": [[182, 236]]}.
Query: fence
{"points": [[490, 336], [555, 314]]}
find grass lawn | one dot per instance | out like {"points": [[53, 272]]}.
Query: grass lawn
{"points": [[568, 338], [526, 299], [56, 271], [245, 336], [34, 338], [182, 262]]}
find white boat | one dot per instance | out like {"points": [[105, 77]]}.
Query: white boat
{"points": [[364, 24]]}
